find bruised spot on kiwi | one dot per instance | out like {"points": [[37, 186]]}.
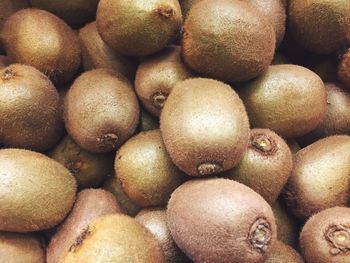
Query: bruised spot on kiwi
{"points": [[80, 239], [260, 235]]}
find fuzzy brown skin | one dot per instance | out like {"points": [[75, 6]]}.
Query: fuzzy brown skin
{"points": [[343, 69], [282, 253], [156, 77], [146, 171], [325, 236], [276, 100], [30, 115], [265, 166], [101, 110], [155, 24], [219, 220], [204, 127], [36, 192], [320, 26], [4, 62], [96, 53], [118, 239], [19, 248], [40, 39], [227, 40], [320, 177], [90, 205]]}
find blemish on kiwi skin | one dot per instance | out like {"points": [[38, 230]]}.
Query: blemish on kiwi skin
{"points": [[209, 168], [339, 238], [7, 74], [263, 144], [108, 140], [165, 11], [260, 235], [74, 166], [79, 240], [158, 99]]}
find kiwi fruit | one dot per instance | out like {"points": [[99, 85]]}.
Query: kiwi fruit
{"points": [[147, 121], [29, 109], [54, 50], [204, 126], [115, 238], [156, 76], [146, 171], [4, 62], [21, 248], [287, 88], [155, 220], [343, 72], [325, 66], [319, 179], [101, 110], [227, 40], [36, 192], [282, 253], [219, 220], [90, 205], [155, 24], [96, 53], [265, 166], [325, 236], [89, 169]]}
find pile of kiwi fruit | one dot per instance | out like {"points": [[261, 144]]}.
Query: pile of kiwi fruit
{"points": [[174, 131]]}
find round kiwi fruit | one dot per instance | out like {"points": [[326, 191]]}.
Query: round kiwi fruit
{"points": [[204, 126], [115, 238], [156, 76], [30, 115], [343, 71], [101, 110], [325, 237], [36, 192], [54, 50], [282, 253], [155, 24], [265, 166], [227, 40], [147, 121], [4, 62], [320, 177], [276, 100], [219, 220]]}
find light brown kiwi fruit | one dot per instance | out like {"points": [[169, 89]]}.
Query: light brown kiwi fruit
{"points": [[96, 53], [4, 62], [324, 66], [36, 192], [343, 69], [118, 239], [30, 114], [156, 77], [325, 237], [147, 121], [320, 177], [204, 126], [101, 110], [146, 171], [287, 88], [265, 166], [227, 40], [219, 220], [282, 253], [155, 24], [90, 205], [42, 40]]}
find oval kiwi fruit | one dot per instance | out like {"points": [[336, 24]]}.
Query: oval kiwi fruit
{"points": [[36, 192], [204, 126], [101, 110], [287, 88], [30, 115], [282, 253], [320, 177], [325, 236], [219, 220], [54, 50], [343, 71]]}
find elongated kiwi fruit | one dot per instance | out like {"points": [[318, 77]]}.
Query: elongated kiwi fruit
{"points": [[30, 114], [325, 237], [219, 220], [101, 110], [282, 253], [204, 127], [4, 62], [343, 69], [320, 177]]}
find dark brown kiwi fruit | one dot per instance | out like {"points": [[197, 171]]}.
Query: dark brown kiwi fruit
{"points": [[204, 126], [325, 237], [282, 253], [30, 114], [265, 166], [219, 220], [4, 62], [343, 69], [287, 88], [156, 77], [54, 50], [320, 177], [324, 66], [101, 110], [147, 121], [227, 40]]}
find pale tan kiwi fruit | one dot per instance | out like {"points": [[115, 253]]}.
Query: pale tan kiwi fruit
{"points": [[282, 253], [4, 62], [343, 71], [101, 110], [204, 126], [36, 192]]}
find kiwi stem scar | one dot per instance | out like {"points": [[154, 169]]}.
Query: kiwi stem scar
{"points": [[209, 168], [7, 74], [158, 99], [260, 235], [108, 140], [263, 143], [339, 237]]}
